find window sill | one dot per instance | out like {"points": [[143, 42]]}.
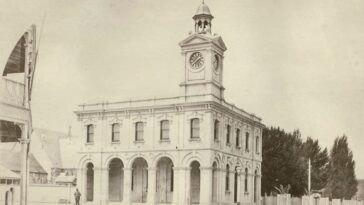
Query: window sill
{"points": [[89, 143], [216, 140], [165, 141], [115, 142], [139, 142], [246, 193], [227, 191], [238, 147], [228, 144], [195, 139], [247, 151]]}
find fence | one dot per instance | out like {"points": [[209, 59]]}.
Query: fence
{"points": [[286, 199], [39, 194]]}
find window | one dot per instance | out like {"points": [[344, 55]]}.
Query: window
{"points": [[90, 133], [228, 131], [195, 128], [246, 181], [164, 130], [139, 131], [115, 135], [257, 145], [172, 178], [247, 141], [237, 138], [216, 130], [2, 181], [227, 178]]}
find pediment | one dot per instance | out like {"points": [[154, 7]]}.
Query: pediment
{"points": [[196, 39]]}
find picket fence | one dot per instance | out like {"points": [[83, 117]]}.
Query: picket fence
{"points": [[286, 199]]}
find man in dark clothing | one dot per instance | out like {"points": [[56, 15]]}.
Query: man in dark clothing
{"points": [[77, 197]]}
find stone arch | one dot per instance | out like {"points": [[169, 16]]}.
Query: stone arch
{"points": [[164, 180], [131, 159], [190, 157], [214, 180], [111, 157], [139, 180], [89, 191], [84, 160], [115, 179], [155, 160], [195, 179]]}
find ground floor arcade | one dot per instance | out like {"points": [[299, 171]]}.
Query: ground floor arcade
{"points": [[165, 180]]}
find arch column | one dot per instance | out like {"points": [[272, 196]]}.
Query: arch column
{"points": [[183, 185], [220, 183], [97, 185], [152, 177], [127, 186], [175, 196], [104, 185], [206, 189], [81, 183]]}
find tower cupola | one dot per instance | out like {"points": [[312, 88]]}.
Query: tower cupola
{"points": [[203, 19]]}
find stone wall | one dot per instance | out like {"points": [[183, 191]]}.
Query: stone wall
{"points": [[40, 194]]}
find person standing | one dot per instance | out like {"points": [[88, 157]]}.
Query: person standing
{"points": [[77, 197]]}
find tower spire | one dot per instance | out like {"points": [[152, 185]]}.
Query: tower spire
{"points": [[203, 19]]}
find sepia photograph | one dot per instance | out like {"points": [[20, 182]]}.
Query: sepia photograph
{"points": [[182, 102]]}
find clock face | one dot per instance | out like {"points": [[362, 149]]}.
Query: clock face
{"points": [[196, 60], [215, 63]]}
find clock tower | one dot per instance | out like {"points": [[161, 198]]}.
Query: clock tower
{"points": [[203, 55]]}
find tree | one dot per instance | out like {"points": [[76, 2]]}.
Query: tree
{"points": [[282, 161], [342, 180], [319, 163]]}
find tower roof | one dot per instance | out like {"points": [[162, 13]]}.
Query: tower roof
{"points": [[204, 10]]}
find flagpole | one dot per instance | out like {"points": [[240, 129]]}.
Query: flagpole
{"points": [[309, 177], [27, 131]]}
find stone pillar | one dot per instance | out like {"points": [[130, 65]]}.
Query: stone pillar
{"points": [[220, 185], [241, 187], [176, 176], [127, 186], [259, 189], [205, 185], [183, 186], [97, 185], [81, 184], [152, 177], [104, 185]]}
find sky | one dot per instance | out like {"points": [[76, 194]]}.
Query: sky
{"points": [[296, 64]]}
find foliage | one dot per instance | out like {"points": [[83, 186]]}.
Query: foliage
{"points": [[282, 162], [283, 189], [342, 180], [319, 163], [285, 162]]}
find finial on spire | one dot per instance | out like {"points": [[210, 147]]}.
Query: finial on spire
{"points": [[203, 19]]}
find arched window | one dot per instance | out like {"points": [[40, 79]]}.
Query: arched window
{"points": [[247, 141], [227, 178], [90, 133], [216, 130], [139, 131], [228, 131], [257, 145], [237, 138], [195, 128], [164, 130], [255, 185], [115, 135], [246, 181]]}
